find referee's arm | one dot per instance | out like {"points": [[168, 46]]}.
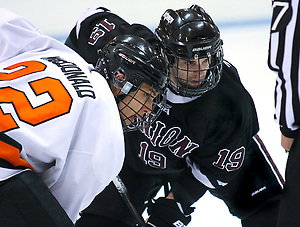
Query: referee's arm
{"points": [[284, 59]]}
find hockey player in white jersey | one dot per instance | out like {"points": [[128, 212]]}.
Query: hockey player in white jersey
{"points": [[61, 137]]}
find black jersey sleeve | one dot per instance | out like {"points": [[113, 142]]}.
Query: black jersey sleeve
{"points": [[223, 124], [96, 27]]}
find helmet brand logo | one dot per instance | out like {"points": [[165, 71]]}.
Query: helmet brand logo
{"points": [[126, 58], [201, 48], [168, 17]]}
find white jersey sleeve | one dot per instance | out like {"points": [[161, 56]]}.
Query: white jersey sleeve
{"points": [[62, 113]]}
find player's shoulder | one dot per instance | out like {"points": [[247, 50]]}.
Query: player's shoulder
{"points": [[230, 90], [96, 27], [92, 16], [7, 15], [90, 12], [229, 67], [229, 71]]}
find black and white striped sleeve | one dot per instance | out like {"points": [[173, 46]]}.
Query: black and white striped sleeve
{"points": [[283, 58]]}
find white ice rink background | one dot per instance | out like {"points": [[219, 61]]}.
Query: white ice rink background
{"points": [[244, 29]]}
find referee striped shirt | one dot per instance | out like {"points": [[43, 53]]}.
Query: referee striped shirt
{"points": [[284, 59]]}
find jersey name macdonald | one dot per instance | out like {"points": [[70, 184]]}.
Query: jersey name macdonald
{"points": [[74, 74]]}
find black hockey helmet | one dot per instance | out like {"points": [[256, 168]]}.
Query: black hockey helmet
{"points": [[190, 34], [140, 63]]}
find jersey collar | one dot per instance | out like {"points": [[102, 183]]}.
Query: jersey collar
{"points": [[174, 98]]}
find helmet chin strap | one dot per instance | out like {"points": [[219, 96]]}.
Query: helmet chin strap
{"points": [[127, 87]]}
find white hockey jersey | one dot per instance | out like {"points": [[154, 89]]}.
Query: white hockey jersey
{"points": [[61, 112]]}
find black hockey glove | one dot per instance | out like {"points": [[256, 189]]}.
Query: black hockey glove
{"points": [[168, 213]]}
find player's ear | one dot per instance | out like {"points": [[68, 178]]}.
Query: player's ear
{"points": [[120, 77]]}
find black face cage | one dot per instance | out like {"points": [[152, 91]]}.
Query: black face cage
{"points": [[194, 81], [138, 119], [140, 64]]}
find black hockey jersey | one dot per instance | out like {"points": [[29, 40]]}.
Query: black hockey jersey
{"points": [[212, 132], [96, 27]]}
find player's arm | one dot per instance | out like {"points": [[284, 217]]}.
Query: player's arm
{"points": [[176, 208], [93, 30], [284, 60], [167, 211], [286, 142], [10, 155], [25, 198], [96, 27], [19, 32]]}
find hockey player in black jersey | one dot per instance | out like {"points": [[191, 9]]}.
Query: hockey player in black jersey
{"points": [[205, 138]]}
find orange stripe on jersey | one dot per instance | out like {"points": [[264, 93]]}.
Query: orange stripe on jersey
{"points": [[12, 155]]}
